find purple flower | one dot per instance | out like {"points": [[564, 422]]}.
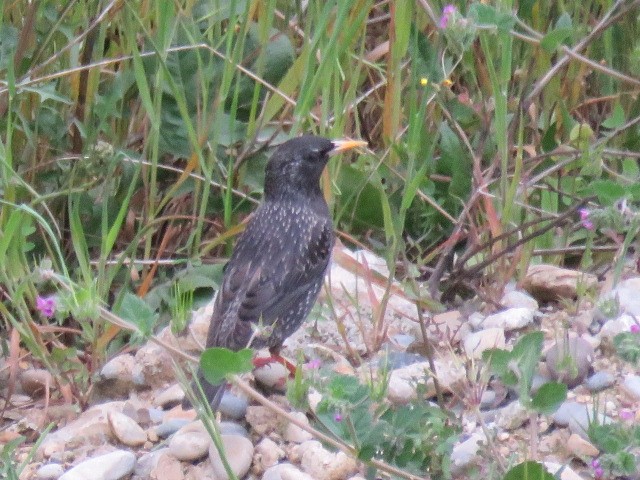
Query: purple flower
{"points": [[447, 12], [598, 472], [46, 305], [337, 417], [584, 218], [314, 364], [626, 414], [595, 463], [635, 328]]}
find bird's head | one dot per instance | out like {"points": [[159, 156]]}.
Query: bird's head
{"points": [[296, 165]]}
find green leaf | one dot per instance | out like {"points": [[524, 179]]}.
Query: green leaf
{"points": [[218, 363], [135, 310], [528, 471], [607, 191], [488, 15], [549, 397], [552, 40], [616, 119]]}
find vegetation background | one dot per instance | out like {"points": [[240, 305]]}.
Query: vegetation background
{"points": [[133, 137]]}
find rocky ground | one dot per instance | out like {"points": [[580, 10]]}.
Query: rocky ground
{"points": [[137, 429]]}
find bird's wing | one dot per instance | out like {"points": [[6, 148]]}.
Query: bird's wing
{"points": [[262, 286]]}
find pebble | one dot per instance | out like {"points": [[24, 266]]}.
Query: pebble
{"points": [[170, 397], [600, 381], [322, 464], [170, 427], [232, 428], [512, 416], [626, 294], [391, 360], [120, 375], [550, 283], [272, 376], [50, 471], [564, 471], [35, 381], [191, 442], [239, 454], [147, 462], [618, 325], [580, 447], [293, 433], [112, 466], [570, 361], [262, 420], [285, 471], [233, 406], [466, 451], [478, 342], [167, 467], [631, 386], [511, 319], [267, 454], [126, 430], [518, 299]]}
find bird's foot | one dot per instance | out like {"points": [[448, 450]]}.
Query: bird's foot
{"points": [[275, 358]]}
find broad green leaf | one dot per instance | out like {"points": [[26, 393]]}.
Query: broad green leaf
{"points": [[549, 397], [135, 310], [616, 119], [528, 471], [219, 363], [552, 40]]}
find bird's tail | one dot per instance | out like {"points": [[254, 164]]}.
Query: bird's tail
{"points": [[213, 393]]}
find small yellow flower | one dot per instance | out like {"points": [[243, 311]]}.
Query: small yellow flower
{"points": [[447, 83], [424, 81]]}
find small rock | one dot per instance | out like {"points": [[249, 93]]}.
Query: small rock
{"points": [[631, 387], [626, 294], [170, 397], [35, 381], [272, 376], [232, 428], [239, 454], [50, 471], [147, 463], [321, 464], [551, 283], [600, 381], [478, 342], [518, 299], [233, 406], [512, 416], [119, 376], [126, 430], [511, 319], [403, 381], [112, 466], [465, 452], [565, 472], [570, 361], [267, 454], [293, 433], [285, 471], [611, 328], [170, 427], [167, 467], [391, 360], [262, 420], [580, 447], [191, 442]]}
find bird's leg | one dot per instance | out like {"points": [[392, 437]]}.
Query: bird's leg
{"points": [[275, 357]]}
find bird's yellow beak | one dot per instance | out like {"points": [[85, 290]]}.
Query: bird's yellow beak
{"points": [[341, 146]]}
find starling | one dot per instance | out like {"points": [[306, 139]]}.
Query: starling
{"points": [[277, 267]]}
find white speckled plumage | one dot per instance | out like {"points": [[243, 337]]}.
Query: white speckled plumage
{"points": [[276, 270]]}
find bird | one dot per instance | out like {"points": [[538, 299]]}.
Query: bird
{"points": [[277, 267]]}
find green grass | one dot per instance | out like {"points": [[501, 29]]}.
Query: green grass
{"points": [[133, 137]]}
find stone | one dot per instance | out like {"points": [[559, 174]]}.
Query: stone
{"points": [[511, 319], [126, 430], [233, 406], [564, 471], [267, 454], [512, 416], [285, 471], [191, 442], [170, 397], [600, 381], [518, 299], [272, 376], [580, 447], [611, 328], [478, 342], [403, 381], [293, 433], [322, 464], [147, 463], [627, 295], [465, 452], [170, 427], [570, 360], [50, 471], [111, 466], [552, 283], [239, 453], [35, 381], [631, 387], [263, 421]]}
